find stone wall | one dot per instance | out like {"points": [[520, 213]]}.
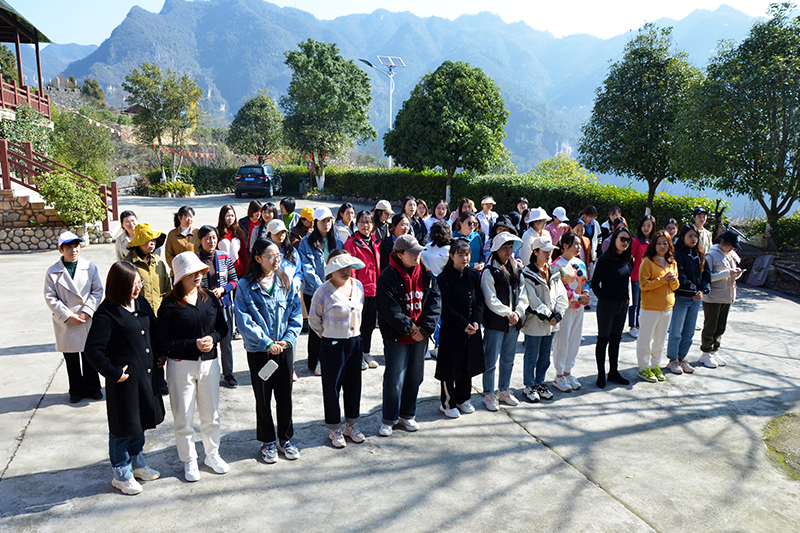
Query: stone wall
{"points": [[25, 239], [19, 211]]}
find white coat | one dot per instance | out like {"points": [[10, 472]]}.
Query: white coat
{"points": [[65, 295]]}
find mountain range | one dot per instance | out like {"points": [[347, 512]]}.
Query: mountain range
{"points": [[236, 47]]}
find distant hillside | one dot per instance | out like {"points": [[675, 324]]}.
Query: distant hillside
{"points": [[55, 59], [235, 47]]}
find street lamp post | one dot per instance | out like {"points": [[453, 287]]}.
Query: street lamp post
{"points": [[390, 62]]}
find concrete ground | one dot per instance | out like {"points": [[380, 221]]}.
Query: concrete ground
{"points": [[683, 455]]}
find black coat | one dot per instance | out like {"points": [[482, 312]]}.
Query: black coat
{"points": [[386, 247], [390, 299], [118, 338], [179, 327], [689, 275], [459, 355]]}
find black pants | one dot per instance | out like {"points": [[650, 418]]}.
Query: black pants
{"points": [[279, 384], [313, 339], [340, 361], [715, 320], [368, 317], [611, 316], [82, 382], [456, 392]]}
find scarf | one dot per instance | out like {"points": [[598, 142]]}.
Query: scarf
{"points": [[413, 294]]}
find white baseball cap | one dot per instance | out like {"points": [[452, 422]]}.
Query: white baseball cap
{"points": [[275, 226], [542, 244], [561, 214], [68, 236], [322, 213]]}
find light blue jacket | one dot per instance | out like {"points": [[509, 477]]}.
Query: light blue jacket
{"points": [[313, 265], [264, 319]]}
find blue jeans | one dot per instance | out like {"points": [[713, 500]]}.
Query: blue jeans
{"points": [[125, 454], [505, 344], [436, 333], [537, 359], [636, 304], [405, 368], [681, 328]]}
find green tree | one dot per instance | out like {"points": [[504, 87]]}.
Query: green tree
{"points": [[82, 146], [327, 103], [167, 107], [633, 122], [454, 118], [91, 89], [257, 127], [29, 126], [8, 65], [747, 113], [73, 83]]}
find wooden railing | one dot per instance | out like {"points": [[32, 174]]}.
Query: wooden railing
{"points": [[21, 165], [12, 95]]}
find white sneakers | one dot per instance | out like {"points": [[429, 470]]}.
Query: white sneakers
{"points": [[573, 382], [450, 413], [215, 463], [337, 438], [466, 408], [707, 360], [385, 430], [562, 384], [129, 486], [190, 471], [507, 397], [371, 362], [409, 423], [634, 332], [146, 473], [491, 402]]}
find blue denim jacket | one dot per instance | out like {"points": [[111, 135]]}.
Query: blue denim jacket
{"points": [[263, 318], [313, 265]]}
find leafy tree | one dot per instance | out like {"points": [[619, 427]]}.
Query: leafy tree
{"points": [[747, 113], [91, 89], [76, 201], [257, 127], [631, 130], [8, 65], [73, 83], [167, 107], [454, 118], [28, 126], [327, 103], [82, 146]]}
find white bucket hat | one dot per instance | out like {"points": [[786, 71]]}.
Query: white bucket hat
{"points": [[537, 214], [275, 226], [322, 213], [186, 263], [343, 261], [504, 238], [561, 214]]}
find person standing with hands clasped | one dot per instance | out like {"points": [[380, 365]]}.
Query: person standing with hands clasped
{"points": [[722, 263], [658, 277], [408, 310], [190, 324], [461, 353], [72, 291], [335, 315], [269, 315]]}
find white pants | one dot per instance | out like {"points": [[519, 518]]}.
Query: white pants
{"points": [[567, 341], [190, 382], [653, 327]]}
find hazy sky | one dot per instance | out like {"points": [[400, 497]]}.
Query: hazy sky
{"points": [[91, 21]]}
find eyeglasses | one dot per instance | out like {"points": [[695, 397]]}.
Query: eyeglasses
{"points": [[139, 284], [625, 240], [273, 257]]}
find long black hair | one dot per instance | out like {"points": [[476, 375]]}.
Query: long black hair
{"points": [[640, 233], [627, 255], [254, 269], [315, 238], [509, 271], [183, 211], [287, 250], [681, 245]]}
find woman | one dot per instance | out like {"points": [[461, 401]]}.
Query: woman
{"points": [[190, 324], [290, 260], [464, 205], [335, 315], [658, 277], [536, 221], [619, 221], [461, 354], [120, 346], [612, 276], [127, 221], [437, 254], [644, 232], [547, 303], [401, 225], [607, 227], [559, 226], [408, 309], [567, 340], [72, 291], [518, 215], [487, 217], [269, 212], [220, 280], [417, 224], [345, 224], [671, 227], [422, 211], [152, 269], [440, 212], [269, 315], [250, 222], [501, 224], [181, 239], [592, 231], [506, 302], [694, 281], [289, 217], [303, 228], [722, 263], [380, 216], [466, 228], [363, 246], [232, 239], [314, 251], [585, 250]]}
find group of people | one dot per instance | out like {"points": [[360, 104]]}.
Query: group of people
{"points": [[468, 281]]}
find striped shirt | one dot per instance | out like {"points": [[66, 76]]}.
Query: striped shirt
{"points": [[335, 316]]}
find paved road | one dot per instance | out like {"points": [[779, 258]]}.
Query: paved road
{"points": [[684, 455]]}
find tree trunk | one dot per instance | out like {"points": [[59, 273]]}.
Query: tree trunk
{"points": [[321, 175], [450, 172], [172, 168], [652, 185]]}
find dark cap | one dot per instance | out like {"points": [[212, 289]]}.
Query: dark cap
{"points": [[407, 243], [732, 238], [699, 210]]}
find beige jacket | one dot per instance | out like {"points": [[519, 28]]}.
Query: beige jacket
{"points": [[65, 295], [723, 286]]}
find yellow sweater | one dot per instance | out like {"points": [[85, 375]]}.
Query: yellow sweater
{"points": [[657, 294]]}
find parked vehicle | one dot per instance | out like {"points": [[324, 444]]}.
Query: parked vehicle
{"points": [[261, 180]]}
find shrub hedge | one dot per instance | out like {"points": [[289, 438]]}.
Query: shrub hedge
{"points": [[785, 233], [207, 180]]}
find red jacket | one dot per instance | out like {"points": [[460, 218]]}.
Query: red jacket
{"points": [[370, 254]]}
